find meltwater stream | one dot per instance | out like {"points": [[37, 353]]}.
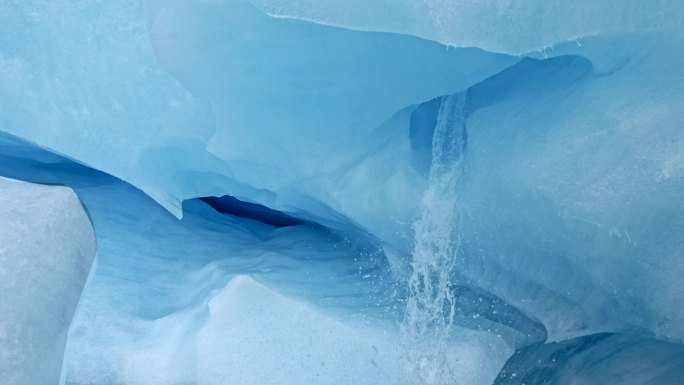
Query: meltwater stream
{"points": [[431, 305]]}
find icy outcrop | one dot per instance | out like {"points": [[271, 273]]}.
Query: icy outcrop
{"points": [[114, 90], [297, 122], [513, 27], [310, 304], [561, 218], [604, 358], [47, 246], [579, 198], [302, 98], [81, 78]]}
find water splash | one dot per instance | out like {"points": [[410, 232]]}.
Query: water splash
{"points": [[430, 308]]}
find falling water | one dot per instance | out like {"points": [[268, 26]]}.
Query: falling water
{"points": [[431, 306]]}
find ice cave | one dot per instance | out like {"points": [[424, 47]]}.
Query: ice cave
{"points": [[331, 192]]}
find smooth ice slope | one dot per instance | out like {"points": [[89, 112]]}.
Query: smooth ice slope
{"points": [[47, 246]]}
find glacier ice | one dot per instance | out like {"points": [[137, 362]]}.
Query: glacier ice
{"points": [[460, 191], [47, 246], [235, 287], [498, 26], [174, 129], [602, 358]]}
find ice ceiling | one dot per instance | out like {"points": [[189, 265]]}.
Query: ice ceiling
{"points": [[302, 192]]}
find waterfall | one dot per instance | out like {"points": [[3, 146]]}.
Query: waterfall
{"points": [[430, 305]]}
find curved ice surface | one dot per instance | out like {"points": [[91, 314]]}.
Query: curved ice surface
{"points": [[255, 299], [300, 101], [604, 358], [514, 27], [576, 200], [81, 78], [47, 246], [567, 203], [345, 84]]}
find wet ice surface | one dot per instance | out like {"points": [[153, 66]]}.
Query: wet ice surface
{"points": [[437, 208], [213, 298]]}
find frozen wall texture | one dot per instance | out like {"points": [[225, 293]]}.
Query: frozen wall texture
{"points": [[47, 246], [434, 192], [514, 27]]}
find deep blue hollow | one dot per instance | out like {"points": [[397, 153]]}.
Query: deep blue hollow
{"points": [[233, 206]]}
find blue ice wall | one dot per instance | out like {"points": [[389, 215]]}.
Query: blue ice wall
{"points": [[161, 283], [465, 176]]}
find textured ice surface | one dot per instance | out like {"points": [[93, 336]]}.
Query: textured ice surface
{"points": [[213, 298], [47, 246], [561, 218], [580, 201], [82, 79], [514, 27], [603, 358], [300, 100], [245, 333]]}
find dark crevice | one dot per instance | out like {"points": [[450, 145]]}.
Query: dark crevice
{"points": [[235, 207]]}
